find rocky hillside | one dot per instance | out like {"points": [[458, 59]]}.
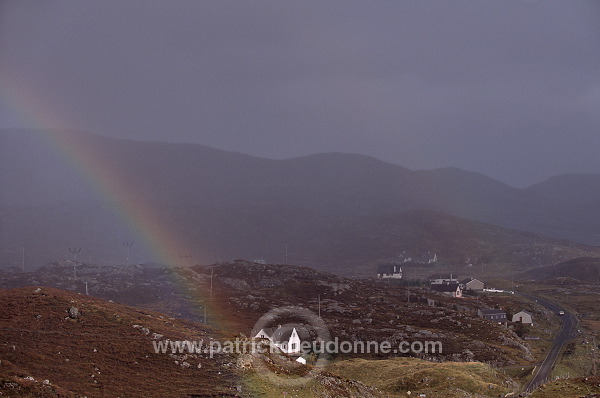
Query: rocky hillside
{"points": [[155, 288], [63, 344], [354, 309], [57, 343], [363, 310]]}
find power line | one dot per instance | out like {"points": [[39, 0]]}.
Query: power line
{"points": [[74, 251], [128, 245]]}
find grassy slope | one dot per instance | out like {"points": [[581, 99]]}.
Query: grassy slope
{"points": [[570, 388], [447, 379]]}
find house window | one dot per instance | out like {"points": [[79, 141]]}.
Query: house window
{"points": [[293, 346]]}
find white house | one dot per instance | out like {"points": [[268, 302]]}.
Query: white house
{"points": [[286, 338], [430, 259], [472, 284], [524, 317]]}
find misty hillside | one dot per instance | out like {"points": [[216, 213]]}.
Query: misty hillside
{"points": [[584, 269], [342, 244], [570, 189], [62, 188]]}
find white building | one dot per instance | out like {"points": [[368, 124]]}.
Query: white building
{"points": [[286, 338], [472, 284], [524, 317]]}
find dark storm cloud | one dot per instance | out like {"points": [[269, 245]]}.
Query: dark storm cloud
{"points": [[508, 88]]}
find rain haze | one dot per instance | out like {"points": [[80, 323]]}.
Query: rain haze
{"points": [[310, 198], [510, 89]]}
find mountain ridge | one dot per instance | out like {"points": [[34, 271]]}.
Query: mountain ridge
{"points": [[183, 183]]}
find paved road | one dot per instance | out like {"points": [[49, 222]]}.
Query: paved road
{"points": [[567, 331]]}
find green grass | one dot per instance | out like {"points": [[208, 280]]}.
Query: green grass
{"points": [[446, 379], [568, 388]]}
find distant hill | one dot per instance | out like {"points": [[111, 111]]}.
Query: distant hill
{"points": [[341, 244], [60, 189], [570, 188], [585, 269]]}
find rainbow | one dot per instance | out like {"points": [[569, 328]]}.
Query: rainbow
{"points": [[140, 216]]}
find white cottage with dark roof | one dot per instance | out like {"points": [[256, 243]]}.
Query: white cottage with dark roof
{"points": [[286, 338]]}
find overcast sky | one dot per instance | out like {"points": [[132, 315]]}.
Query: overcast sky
{"points": [[509, 88]]}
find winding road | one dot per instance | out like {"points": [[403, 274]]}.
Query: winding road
{"points": [[567, 331]]}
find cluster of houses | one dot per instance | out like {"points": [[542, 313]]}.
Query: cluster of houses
{"points": [[393, 269], [288, 338], [450, 286]]}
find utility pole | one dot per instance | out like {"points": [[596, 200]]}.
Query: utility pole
{"points": [[74, 251], [286, 253], [319, 305], [23, 259], [594, 350], [211, 281], [128, 245], [598, 278]]}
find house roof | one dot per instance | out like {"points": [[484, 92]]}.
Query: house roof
{"points": [[443, 276], [524, 312], [388, 269], [492, 312], [267, 331], [444, 287], [282, 334]]}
